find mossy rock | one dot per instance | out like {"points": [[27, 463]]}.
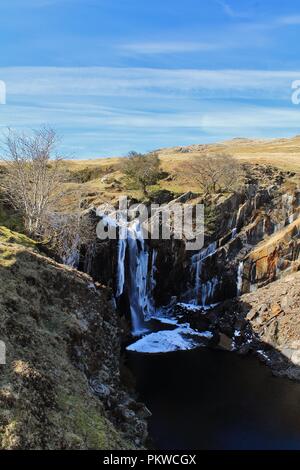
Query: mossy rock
{"points": [[9, 236]]}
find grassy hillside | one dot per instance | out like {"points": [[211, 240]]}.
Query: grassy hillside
{"points": [[101, 179], [46, 313], [282, 153]]}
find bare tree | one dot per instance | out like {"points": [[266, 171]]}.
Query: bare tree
{"points": [[66, 233], [33, 175], [142, 170], [216, 173]]}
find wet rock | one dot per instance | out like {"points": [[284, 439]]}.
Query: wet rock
{"points": [[100, 389], [225, 342], [125, 413]]}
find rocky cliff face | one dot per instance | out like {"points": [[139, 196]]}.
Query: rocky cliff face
{"points": [[265, 322], [254, 239], [276, 255], [265, 221], [273, 314], [61, 386]]}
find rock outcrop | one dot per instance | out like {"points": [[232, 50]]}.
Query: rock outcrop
{"points": [[278, 254], [61, 385], [265, 322]]}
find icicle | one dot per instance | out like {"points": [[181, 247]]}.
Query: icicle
{"points": [[138, 274], [197, 262], [140, 283], [239, 283], [121, 262], [152, 284], [208, 291]]}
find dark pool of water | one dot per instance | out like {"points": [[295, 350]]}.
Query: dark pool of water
{"points": [[210, 399]]}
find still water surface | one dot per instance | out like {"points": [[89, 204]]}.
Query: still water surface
{"points": [[210, 399]]}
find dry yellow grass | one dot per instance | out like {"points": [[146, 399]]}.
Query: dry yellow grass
{"points": [[281, 153]]}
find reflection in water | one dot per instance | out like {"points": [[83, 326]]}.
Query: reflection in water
{"points": [[209, 399]]}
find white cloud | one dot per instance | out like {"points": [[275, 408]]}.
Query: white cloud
{"points": [[169, 47], [271, 24], [105, 110], [289, 20], [252, 117], [229, 11], [145, 82]]}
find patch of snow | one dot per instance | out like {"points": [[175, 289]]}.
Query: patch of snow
{"points": [[181, 339], [190, 307], [196, 308], [167, 321], [210, 306], [263, 354]]}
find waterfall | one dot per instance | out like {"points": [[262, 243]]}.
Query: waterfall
{"points": [[239, 282], [72, 253], [135, 275], [240, 215], [152, 283], [289, 212], [291, 218], [206, 290], [138, 273], [198, 274], [288, 208], [122, 243]]}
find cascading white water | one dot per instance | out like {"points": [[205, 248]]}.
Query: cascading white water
{"points": [[239, 281], [140, 281], [290, 208], [292, 218], [72, 254], [152, 282], [240, 214], [122, 243], [138, 272], [290, 211], [206, 290], [234, 232]]}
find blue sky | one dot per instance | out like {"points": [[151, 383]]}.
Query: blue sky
{"points": [[117, 75]]}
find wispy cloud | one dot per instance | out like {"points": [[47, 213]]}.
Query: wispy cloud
{"points": [[142, 82], [229, 11], [244, 118], [289, 20], [271, 23], [169, 47], [112, 110]]}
